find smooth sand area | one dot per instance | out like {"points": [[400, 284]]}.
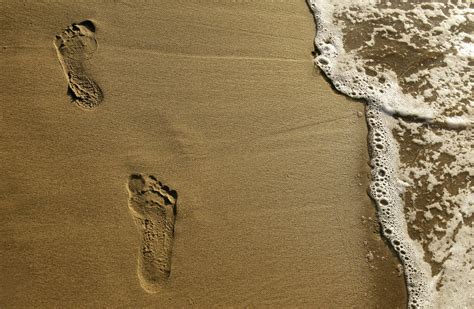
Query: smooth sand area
{"points": [[219, 100]]}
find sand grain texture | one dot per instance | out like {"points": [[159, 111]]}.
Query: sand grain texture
{"points": [[220, 100]]}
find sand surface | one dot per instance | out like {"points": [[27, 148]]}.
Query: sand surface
{"points": [[221, 102]]}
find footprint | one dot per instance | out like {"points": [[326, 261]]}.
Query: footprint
{"points": [[75, 46], [153, 207]]}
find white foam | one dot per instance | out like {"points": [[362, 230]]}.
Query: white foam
{"points": [[445, 102], [459, 122]]}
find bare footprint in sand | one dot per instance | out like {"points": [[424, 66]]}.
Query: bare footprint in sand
{"points": [[75, 46], [153, 207]]}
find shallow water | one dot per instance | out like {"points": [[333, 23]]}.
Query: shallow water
{"points": [[412, 63]]}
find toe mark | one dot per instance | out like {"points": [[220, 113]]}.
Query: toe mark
{"points": [[88, 24]]}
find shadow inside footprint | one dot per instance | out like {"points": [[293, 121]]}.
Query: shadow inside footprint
{"points": [[88, 24]]}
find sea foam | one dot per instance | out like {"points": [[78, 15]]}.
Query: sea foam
{"points": [[412, 63]]}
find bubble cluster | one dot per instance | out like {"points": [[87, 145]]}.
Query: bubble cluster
{"points": [[383, 96], [384, 192]]}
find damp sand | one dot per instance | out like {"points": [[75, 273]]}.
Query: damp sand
{"points": [[219, 101]]}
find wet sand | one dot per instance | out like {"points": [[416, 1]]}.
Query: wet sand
{"points": [[219, 101]]}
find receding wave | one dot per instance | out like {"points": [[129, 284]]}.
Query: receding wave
{"points": [[412, 63]]}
